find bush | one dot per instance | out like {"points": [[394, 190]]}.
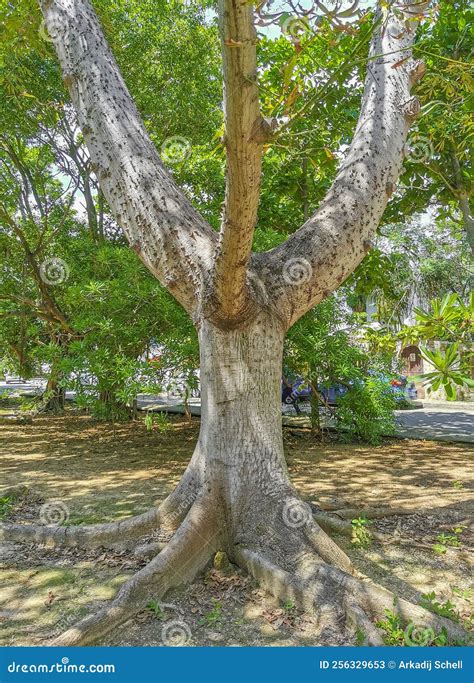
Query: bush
{"points": [[365, 412]]}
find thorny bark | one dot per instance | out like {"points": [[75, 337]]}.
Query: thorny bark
{"points": [[236, 492]]}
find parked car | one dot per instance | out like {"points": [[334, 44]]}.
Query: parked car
{"points": [[14, 379], [299, 390]]}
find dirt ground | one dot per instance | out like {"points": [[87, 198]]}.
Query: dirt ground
{"points": [[98, 474]]}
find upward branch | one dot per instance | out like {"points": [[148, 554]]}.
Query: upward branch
{"points": [[245, 133], [317, 258], [171, 238]]}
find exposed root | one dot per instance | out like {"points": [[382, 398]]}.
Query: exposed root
{"points": [[188, 552], [345, 528], [302, 564], [149, 550], [168, 515], [320, 585], [376, 599], [326, 548], [85, 536], [360, 622], [332, 524]]}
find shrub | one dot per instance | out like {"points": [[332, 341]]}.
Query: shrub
{"points": [[365, 412]]}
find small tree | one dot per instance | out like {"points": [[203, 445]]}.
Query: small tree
{"points": [[449, 321]]}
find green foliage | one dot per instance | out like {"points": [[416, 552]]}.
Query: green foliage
{"points": [[394, 633], [444, 609], [160, 420], [95, 330], [409, 635], [213, 616], [6, 506], [445, 541], [289, 606], [449, 320], [325, 348], [366, 411], [155, 608], [441, 174], [361, 536], [464, 593]]}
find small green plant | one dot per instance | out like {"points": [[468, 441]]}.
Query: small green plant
{"points": [[444, 609], [214, 616], [361, 536], [458, 484], [394, 633], [445, 541], [289, 606], [464, 593], [161, 421], [6, 506], [409, 635], [360, 637], [155, 607], [366, 411]]}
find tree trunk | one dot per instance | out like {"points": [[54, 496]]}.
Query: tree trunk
{"points": [[55, 397], [241, 430], [468, 220]]}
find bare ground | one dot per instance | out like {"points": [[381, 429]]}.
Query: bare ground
{"points": [[101, 474]]}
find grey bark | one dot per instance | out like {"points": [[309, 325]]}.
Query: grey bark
{"points": [[242, 304]]}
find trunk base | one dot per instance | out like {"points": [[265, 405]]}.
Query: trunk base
{"points": [[296, 561]]}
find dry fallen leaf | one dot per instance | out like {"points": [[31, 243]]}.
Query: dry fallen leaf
{"points": [[50, 599]]}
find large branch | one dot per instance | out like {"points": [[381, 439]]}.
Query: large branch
{"points": [[245, 133], [317, 258], [171, 238]]}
